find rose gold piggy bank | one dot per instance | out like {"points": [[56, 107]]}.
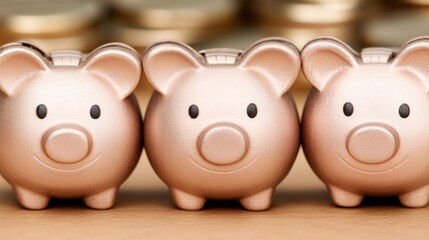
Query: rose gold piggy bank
{"points": [[221, 124], [69, 124], [366, 121]]}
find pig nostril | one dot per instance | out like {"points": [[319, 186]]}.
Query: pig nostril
{"points": [[67, 145], [223, 144], [372, 144]]}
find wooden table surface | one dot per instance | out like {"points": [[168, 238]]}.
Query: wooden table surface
{"points": [[301, 210]]}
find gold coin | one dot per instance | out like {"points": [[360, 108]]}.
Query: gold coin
{"points": [[395, 28], [84, 41], [141, 37], [240, 38], [279, 12], [177, 13], [416, 2], [48, 16], [302, 35]]}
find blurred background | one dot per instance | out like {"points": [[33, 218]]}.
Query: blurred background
{"points": [[85, 24]]}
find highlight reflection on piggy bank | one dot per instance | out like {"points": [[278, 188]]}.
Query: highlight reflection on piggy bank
{"points": [[365, 123], [221, 124], [69, 124]]}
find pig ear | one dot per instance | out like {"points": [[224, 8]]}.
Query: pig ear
{"points": [[323, 58], [415, 57], [163, 62], [119, 65], [19, 64], [275, 58]]}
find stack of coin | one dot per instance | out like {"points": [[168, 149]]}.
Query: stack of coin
{"points": [[52, 24], [141, 23], [407, 20], [242, 39], [417, 3], [303, 20], [396, 28]]}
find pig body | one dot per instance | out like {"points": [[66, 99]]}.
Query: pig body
{"points": [[68, 130], [364, 123], [222, 130]]}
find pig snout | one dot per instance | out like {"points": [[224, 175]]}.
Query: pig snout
{"points": [[223, 144], [67, 144], [373, 143]]}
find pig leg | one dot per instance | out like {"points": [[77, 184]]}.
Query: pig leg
{"points": [[103, 200], [258, 202], [415, 199], [31, 200], [344, 198], [186, 201]]}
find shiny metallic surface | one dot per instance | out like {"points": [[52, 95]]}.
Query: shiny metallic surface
{"points": [[308, 12], [142, 23], [422, 3], [170, 14], [383, 30], [222, 144], [48, 16], [66, 145], [64, 152], [143, 37], [373, 151], [304, 20], [372, 143], [302, 35], [222, 153], [83, 41], [54, 25]]}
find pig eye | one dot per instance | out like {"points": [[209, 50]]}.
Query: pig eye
{"points": [[404, 110], [193, 111], [348, 109], [41, 111], [95, 111], [252, 110]]}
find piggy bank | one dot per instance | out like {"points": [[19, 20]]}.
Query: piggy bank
{"points": [[221, 123], [365, 122], [69, 124]]}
